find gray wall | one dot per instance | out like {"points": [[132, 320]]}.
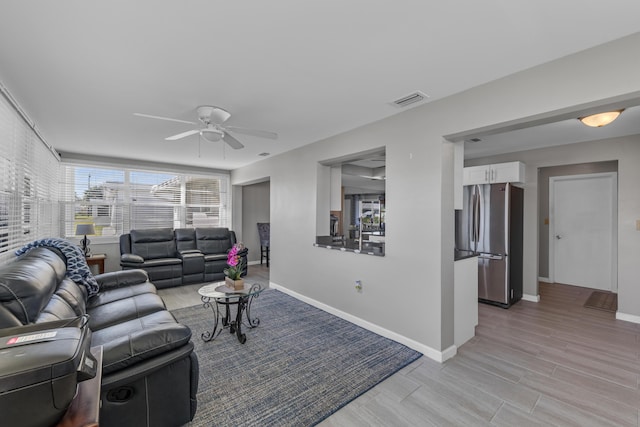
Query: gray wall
{"points": [[255, 208], [111, 250], [543, 202], [408, 292]]}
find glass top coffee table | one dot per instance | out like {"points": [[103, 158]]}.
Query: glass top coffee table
{"points": [[218, 295]]}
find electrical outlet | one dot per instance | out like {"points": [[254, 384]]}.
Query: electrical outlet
{"points": [[359, 285]]}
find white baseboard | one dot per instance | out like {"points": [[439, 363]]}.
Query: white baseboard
{"points": [[253, 262], [627, 317], [447, 354], [532, 298], [438, 356], [545, 280]]}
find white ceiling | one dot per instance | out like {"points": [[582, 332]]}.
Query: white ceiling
{"points": [[304, 69], [557, 133]]}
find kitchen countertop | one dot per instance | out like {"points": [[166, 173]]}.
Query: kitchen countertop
{"points": [[350, 245], [461, 254]]}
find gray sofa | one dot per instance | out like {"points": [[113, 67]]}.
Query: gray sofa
{"points": [[180, 256], [150, 372]]}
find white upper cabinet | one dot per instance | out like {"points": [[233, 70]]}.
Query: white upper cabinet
{"points": [[493, 174]]}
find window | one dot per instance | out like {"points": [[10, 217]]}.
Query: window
{"points": [[28, 184], [117, 200]]}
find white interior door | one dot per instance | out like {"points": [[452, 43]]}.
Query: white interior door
{"points": [[583, 244]]}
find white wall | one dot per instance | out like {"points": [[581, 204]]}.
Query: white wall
{"points": [[626, 151], [409, 291]]}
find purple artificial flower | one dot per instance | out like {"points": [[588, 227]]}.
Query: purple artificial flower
{"points": [[232, 257], [235, 263], [232, 261]]}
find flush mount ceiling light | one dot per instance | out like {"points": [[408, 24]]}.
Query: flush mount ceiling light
{"points": [[600, 119]]}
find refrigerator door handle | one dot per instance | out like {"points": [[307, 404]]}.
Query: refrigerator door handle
{"points": [[507, 215], [478, 212], [474, 196]]}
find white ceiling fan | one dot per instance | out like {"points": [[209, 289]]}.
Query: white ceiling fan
{"points": [[212, 118]]}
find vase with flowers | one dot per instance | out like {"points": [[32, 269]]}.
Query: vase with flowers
{"points": [[235, 269]]}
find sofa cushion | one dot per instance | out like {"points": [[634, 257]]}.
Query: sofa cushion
{"points": [[185, 239], [52, 256], [213, 240], [128, 343], [68, 301], [153, 243], [26, 286], [123, 310], [8, 319]]}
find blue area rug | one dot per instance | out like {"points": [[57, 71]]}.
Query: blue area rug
{"points": [[298, 367]]}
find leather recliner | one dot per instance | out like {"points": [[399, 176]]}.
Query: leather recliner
{"points": [[150, 372]]}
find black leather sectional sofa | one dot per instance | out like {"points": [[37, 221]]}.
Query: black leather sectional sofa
{"points": [[150, 372], [180, 256]]}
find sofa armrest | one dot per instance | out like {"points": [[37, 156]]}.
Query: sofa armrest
{"points": [[243, 255], [243, 252], [117, 279], [131, 258], [188, 252]]}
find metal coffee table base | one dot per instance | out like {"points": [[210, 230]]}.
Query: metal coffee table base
{"points": [[243, 303]]}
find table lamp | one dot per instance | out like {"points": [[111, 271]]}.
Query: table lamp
{"points": [[84, 229]]}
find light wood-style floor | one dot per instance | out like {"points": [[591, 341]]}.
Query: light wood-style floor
{"points": [[187, 296], [535, 364]]}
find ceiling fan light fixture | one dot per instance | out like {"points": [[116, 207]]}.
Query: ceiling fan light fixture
{"points": [[212, 135], [600, 119]]}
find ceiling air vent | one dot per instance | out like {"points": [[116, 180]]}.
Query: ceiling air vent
{"points": [[474, 140], [264, 154], [410, 99]]}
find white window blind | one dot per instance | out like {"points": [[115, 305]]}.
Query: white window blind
{"points": [[92, 195], [117, 200], [28, 184]]}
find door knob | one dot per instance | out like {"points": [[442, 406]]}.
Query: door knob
{"points": [[558, 236]]}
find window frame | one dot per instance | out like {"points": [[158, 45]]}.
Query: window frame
{"points": [[178, 212]]}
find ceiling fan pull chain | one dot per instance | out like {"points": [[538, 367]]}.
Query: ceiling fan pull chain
{"points": [[224, 151]]}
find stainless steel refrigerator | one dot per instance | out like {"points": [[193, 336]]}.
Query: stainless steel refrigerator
{"points": [[490, 224]]}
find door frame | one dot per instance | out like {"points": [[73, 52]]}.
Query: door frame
{"points": [[614, 222]]}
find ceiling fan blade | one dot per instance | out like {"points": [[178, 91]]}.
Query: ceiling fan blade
{"points": [[149, 116], [182, 135], [254, 132], [233, 143]]}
